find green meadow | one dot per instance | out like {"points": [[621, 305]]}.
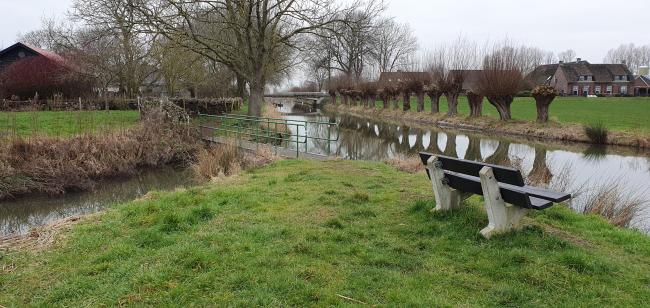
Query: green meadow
{"points": [[64, 123], [336, 233], [629, 114]]}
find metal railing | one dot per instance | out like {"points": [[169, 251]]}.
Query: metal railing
{"points": [[279, 133]]}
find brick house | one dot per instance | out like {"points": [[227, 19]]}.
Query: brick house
{"points": [[581, 78], [642, 86]]}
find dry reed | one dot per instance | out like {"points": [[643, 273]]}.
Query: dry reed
{"points": [[227, 159], [55, 166]]}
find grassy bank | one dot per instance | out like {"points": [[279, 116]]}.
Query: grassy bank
{"points": [[626, 114], [64, 123], [52, 165], [303, 233], [487, 124]]}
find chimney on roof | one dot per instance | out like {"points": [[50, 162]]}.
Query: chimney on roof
{"points": [[579, 59], [624, 62], [561, 62]]}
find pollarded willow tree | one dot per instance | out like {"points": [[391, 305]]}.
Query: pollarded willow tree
{"points": [[254, 38], [475, 100], [452, 64], [502, 78], [369, 90], [544, 96]]}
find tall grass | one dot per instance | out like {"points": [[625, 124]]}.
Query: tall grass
{"points": [[614, 202], [55, 165], [597, 132], [227, 159]]}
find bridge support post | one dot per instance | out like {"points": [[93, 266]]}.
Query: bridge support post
{"points": [[503, 217], [447, 198]]}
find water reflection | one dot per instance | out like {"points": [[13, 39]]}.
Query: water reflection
{"points": [[19, 216], [361, 139]]}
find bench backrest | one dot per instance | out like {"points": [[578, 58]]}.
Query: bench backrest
{"points": [[503, 174]]}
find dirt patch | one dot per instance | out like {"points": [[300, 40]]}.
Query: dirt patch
{"points": [[410, 164], [571, 238], [547, 131], [40, 238]]}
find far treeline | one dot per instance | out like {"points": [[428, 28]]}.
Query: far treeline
{"points": [[205, 48]]}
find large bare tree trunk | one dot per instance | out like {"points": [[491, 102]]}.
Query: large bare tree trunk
{"points": [[386, 102], [475, 104], [372, 101], [435, 103], [333, 99], [420, 97], [346, 101], [407, 101], [256, 101], [452, 102], [502, 104], [543, 103]]}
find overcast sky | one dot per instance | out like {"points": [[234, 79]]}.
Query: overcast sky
{"points": [[590, 27]]}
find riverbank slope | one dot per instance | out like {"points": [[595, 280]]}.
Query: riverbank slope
{"points": [[300, 233], [488, 125]]}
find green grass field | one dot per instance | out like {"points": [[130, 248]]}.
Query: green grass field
{"points": [[306, 233], [64, 123], [629, 114]]}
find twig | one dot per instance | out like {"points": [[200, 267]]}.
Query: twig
{"points": [[351, 299]]}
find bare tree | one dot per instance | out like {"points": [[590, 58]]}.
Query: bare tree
{"points": [[567, 55], [393, 45], [117, 20], [633, 56], [502, 77], [452, 66], [254, 38]]}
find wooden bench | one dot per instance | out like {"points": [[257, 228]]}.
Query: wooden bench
{"points": [[507, 197]]}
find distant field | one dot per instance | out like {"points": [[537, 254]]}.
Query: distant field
{"points": [[64, 123], [630, 114]]}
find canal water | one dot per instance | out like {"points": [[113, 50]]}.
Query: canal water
{"points": [[573, 167], [576, 168], [19, 216]]}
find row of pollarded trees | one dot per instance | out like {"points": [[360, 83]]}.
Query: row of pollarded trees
{"points": [[499, 80]]}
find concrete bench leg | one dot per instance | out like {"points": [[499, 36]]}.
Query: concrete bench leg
{"points": [[503, 217], [447, 198]]}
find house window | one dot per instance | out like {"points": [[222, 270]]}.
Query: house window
{"points": [[609, 89], [582, 78], [597, 90], [21, 55], [575, 90], [585, 90], [624, 90]]}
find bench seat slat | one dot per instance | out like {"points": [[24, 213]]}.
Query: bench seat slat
{"points": [[510, 193], [502, 174]]}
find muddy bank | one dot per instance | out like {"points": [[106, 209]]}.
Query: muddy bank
{"points": [[517, 128]]}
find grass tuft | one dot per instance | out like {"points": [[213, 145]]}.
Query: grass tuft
{"points": [[597, 132]]}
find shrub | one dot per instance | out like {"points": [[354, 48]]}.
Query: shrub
{"points": [[597, 133]]}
